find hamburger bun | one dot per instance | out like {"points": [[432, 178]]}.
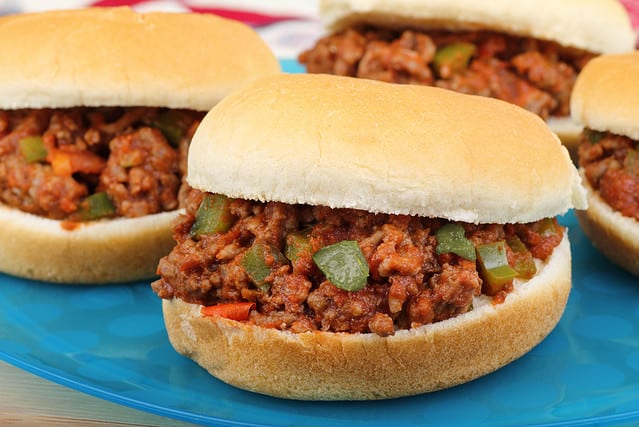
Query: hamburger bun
{"points": [[342, 366], [605, 94], [112, 57], [615, 235], [119, 57], [599, 26], [353, 143], [114, 250], [605, 100], [593, 26], [390, 153]]}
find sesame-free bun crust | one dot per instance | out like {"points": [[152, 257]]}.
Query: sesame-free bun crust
{"points": [[615, 235], [355, 143], [606, 93], [342, 366], [596, 26], [98, 252], [113, 57], [117, 57], [599, 26], [605, 99]]}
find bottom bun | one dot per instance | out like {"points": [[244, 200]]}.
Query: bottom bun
{"points": [[568, 132], [107, 251], [614, 235], [341, 366]]}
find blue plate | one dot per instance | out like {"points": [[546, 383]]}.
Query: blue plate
{"points": [[110, 342]]}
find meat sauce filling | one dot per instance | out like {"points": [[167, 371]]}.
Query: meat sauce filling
{"points": [[611, 165], [534, 74], [266, 254], [86, 163]]}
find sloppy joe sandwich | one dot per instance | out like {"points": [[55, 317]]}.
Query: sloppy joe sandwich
{"points": [[97, 108], [352, 239], [606, 102], [527, 52]]}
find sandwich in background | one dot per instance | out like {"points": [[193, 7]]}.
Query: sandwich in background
{"points": [[606, 102], [527, 52], [97, 108], [350, 239]]}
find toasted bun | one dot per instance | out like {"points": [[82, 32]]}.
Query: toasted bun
{"points": [[599, 26], [615, 235], [116, 57], [355, 143], [107, 251], [606, 93], [341, 366]]}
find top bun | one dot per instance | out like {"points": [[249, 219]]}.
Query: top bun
{"points": [[117, 57], [355, 143], [606, 93], [599, 26]]}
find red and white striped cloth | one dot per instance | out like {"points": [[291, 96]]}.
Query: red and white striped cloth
{"points": [[632, 6], [288, 26]]}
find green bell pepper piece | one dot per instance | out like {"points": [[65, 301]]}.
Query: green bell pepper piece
{"points": [[546, 227], [453, 57], [95, 206], [631, 162], [213, 216], [493, 267], [296, 244], [344, 265], [593, 136], [169, 124], [524, 262], [32, 149], [452, 238], [259, 261]]}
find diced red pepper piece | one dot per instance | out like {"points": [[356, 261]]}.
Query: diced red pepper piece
{"points": [[232, 310], [66, 163]]}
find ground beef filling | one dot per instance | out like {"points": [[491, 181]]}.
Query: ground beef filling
{"points": [[52, 160], [611, 164], [534, 74], [409, 284]]}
